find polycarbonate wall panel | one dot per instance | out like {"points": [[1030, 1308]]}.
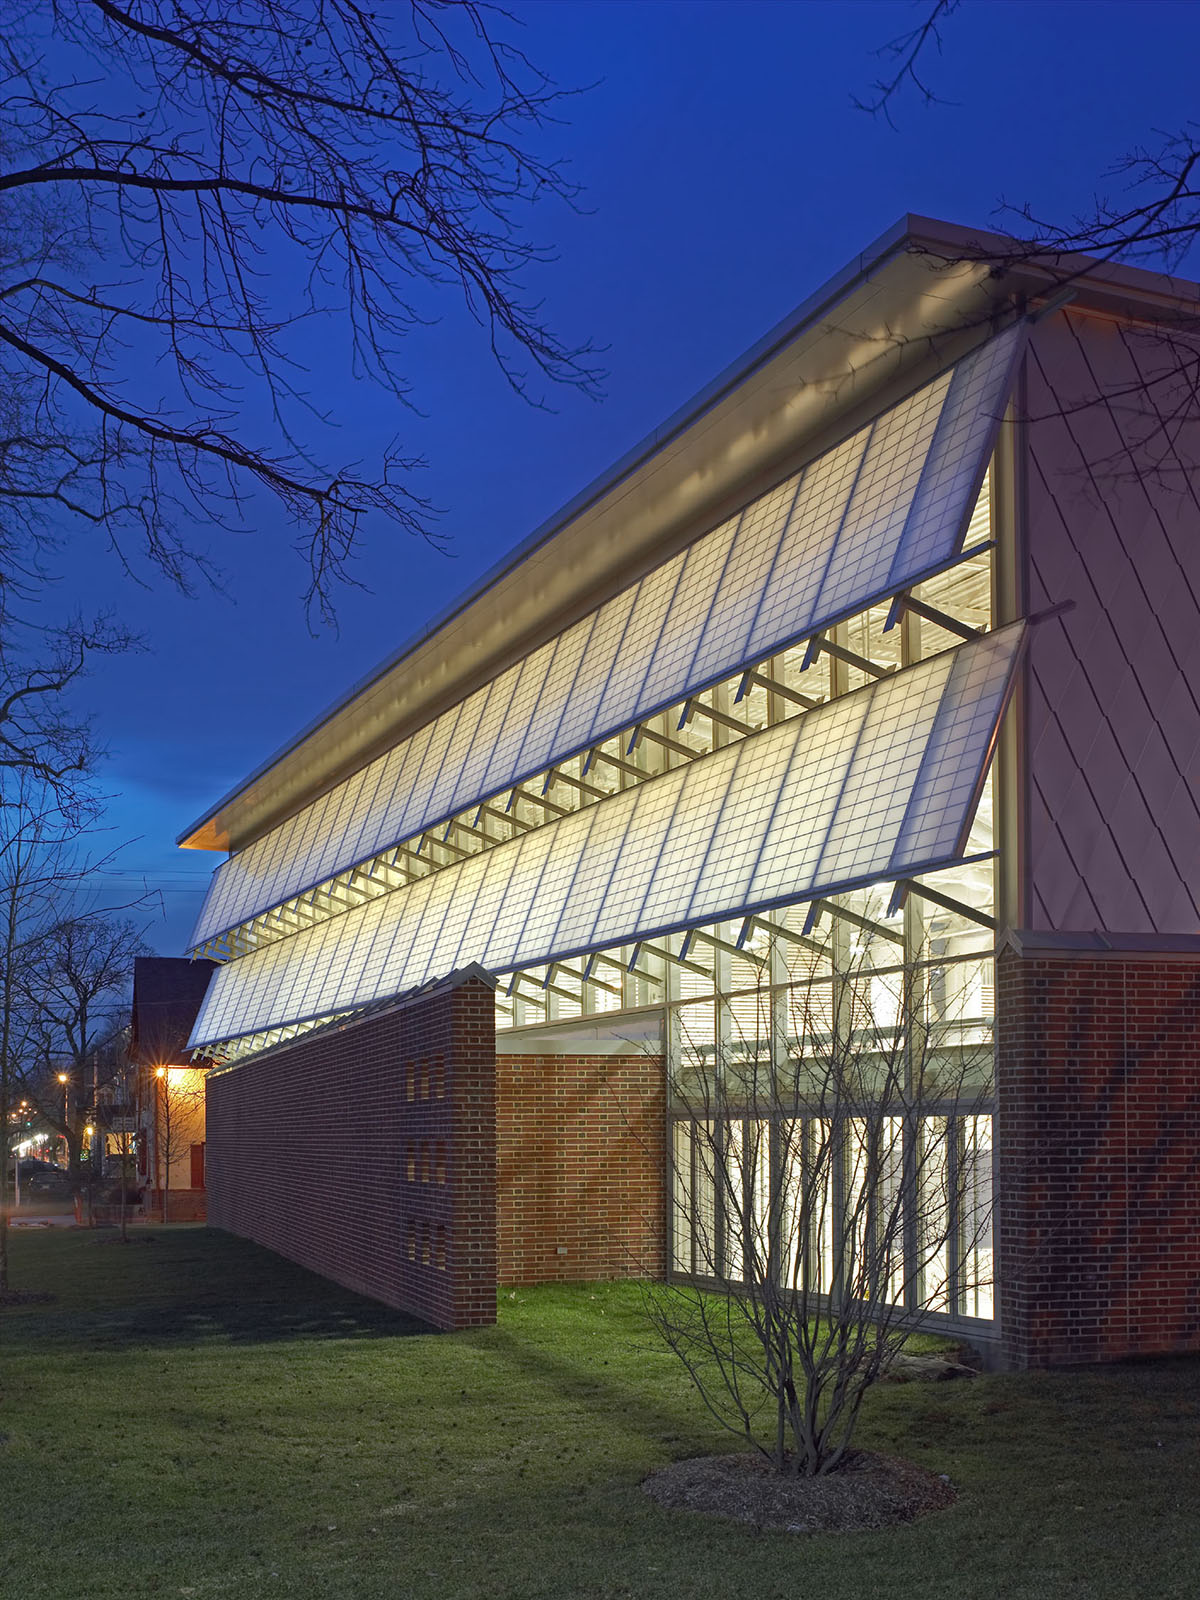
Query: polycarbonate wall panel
{"points": [[879, 784], [867, 518]]}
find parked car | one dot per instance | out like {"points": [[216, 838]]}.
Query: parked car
{"points": [[47, 1183], [30, 1167]]}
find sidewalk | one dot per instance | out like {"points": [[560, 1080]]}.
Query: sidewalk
{"points": [[43, 1214]]}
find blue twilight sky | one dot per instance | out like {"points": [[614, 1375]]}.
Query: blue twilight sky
{"points": [[726, 174]]}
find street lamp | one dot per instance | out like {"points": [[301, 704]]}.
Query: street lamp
{"points": [[161, 1112], [64, 1079]]}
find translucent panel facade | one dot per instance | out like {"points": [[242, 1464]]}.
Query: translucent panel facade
{"points": [[873, 516], [880, 783], [854, 653], [747, 798]]}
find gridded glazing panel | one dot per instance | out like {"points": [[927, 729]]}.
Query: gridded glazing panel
{"points": [[877, 785], [867, 518]]}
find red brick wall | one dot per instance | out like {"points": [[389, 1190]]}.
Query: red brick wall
{"points": [[581, 1169], [183, 1205], [1098, 1151], [367, 1153]]}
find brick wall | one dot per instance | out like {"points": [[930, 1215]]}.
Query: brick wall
{"points": [[1098, 1151], [580, 1143], [367, 1153], [183, 1205]]}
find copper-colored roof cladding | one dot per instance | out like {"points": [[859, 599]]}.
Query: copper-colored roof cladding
{"points": [[917, 299], [167, 994]]}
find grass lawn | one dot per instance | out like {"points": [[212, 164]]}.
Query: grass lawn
{"points": [[195, 1417]]}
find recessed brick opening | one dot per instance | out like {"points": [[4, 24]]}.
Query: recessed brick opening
{"points": [[581, 1167], [398, 1157]]}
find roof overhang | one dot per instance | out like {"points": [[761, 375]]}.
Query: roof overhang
{"points": [[921, 296]]}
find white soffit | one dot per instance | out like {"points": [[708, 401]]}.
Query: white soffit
{"points": [[879, 784], [878, 512]]}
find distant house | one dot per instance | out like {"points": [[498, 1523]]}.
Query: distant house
{"points": [[170, 1138], [884, 652], [109, 1093]]}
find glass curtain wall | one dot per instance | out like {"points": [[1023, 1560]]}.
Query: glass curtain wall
{"points": [[893, 984]]}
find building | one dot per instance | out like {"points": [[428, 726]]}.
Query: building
{"points": [[109, 1102], [881, 654], [166, 1112]]}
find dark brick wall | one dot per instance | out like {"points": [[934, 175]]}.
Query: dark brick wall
{"points": [[1098, 1152], [368, 1154], [581, 1167]]}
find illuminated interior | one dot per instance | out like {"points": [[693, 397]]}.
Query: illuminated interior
{"points": [[752, 782]]}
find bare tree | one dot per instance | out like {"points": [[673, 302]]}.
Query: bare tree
{"points": [[74, 982], [38, 868], [43, 737], [904, 58], [113, 1113], [1155, 219], [831, 1187], [178, 1102], [1145, 211], [200, 191]]}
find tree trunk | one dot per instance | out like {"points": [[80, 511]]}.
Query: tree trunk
{"points": [[165, 1144], [4, 1173], [74, 1163], [126, 1175]]}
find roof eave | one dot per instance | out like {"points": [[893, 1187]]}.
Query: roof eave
{"points": [[889, 318]]}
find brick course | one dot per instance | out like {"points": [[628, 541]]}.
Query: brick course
{"points": [[368, 1154], [1098, 1156], [581, 1167]]}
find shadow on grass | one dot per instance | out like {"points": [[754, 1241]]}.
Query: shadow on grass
{"points": [[237, 1323], [189, 1287], [613, 1401]]}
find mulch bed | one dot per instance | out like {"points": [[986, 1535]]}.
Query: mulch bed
{"points": [[867, 1491]]}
